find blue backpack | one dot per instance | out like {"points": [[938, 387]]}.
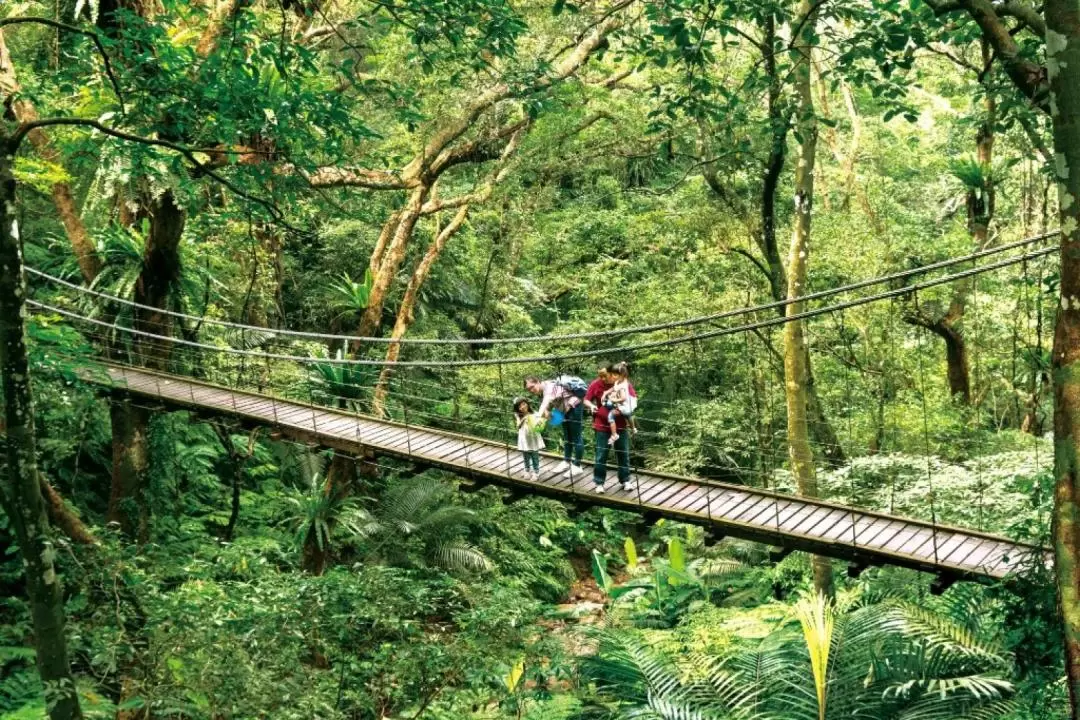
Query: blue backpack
{"points": [[575, 385]]}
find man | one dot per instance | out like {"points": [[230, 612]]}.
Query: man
{"points": [[602, 427], [556, 394]]}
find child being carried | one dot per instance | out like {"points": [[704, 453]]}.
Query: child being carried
{"points": [[619, 401]]}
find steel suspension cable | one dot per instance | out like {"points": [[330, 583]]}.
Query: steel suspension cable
{"points": [[537, 339], [562, 357]]}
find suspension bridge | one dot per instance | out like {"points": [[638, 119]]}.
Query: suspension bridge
{"points": [[251, 374]]}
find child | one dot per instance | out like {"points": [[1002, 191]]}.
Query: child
{"points": [[618, 400], [530, 442]]}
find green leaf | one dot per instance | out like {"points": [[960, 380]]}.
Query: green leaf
{"points": [[600, 573], [631, 553], [676, 555]]}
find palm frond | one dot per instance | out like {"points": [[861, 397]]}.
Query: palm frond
{"points": [[458, 555]]}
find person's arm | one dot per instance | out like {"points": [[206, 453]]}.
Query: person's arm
{"points": [[549, 395], [592, 395]]}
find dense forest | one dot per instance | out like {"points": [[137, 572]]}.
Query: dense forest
{"points": [[829, 245]]}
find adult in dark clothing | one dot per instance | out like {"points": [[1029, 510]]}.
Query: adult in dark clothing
{"points": [[602, 428]]}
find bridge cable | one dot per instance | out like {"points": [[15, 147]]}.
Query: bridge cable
{"points": [[536, 339], [562, 357]]}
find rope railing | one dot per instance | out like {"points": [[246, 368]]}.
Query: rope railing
{"points": [[554, 338], [562, 357]]}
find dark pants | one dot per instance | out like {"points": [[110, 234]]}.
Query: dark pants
{"points": [[573, 440], [622, 456], [532, 460]]}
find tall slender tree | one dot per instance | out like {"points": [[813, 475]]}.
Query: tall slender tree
{"points": [[796, 367], [1063, 71]]}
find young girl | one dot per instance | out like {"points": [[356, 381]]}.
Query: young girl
{"points": [[618, 400], [530, 442]]}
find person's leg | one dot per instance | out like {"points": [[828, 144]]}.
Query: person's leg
{"points": [[622, 458], [600, 464], [574, 421], [567, 439], [525, 460], [535, 455]]}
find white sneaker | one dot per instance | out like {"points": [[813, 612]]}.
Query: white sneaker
{"points": [[561, 467], [598, 489], [534, 476], [629, 486], [573, 470]]}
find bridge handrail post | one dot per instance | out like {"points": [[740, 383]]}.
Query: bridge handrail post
{"points": [[408, 434], [311, 401]]}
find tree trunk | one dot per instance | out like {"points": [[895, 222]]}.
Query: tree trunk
{"points": [[391, 261], [63, 518], [21, 493], [796, 367], [821, 430], [130, 462], [1063, 65], [130, 423], [405, 314], [980, 203]]}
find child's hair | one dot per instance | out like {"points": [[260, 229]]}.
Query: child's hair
{"points": [[517, 404], [620, 368]]}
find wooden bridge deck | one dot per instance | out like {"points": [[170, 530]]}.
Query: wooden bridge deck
{"points": [[866, 538]]}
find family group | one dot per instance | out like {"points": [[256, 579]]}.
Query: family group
{"points": [[612, 401]]}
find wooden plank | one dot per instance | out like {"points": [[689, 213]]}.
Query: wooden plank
{"points": [[425, 445], [732, 504], [921, 537], [996, 557], [789, 512], [879, 533], [965, 549], [339, 427], [656, 494], [289, 414], [811, 524], [949, 545], [867, 528], [989, 552], [488, 460], [677, 500], [665, 498], [751, 512], [724, 499], [799, 511], [456, 456], [931, 544], [839, 531], [389, 438], [695, 502], [647, 483], [442, 447]]}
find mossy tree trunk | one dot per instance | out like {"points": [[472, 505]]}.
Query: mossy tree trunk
{"points": [[1063, 67], [796, 365], [21, 491]]}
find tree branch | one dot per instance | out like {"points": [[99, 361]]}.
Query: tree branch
{"points": [[1026, 14], [750, 256], [78, 31], [1030, 78], [188, 153]]}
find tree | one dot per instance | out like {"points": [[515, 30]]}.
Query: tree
{"points": [[796, 369], [1063, 69]]}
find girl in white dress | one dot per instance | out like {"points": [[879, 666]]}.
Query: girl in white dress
{"points": [[530, 441]]}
